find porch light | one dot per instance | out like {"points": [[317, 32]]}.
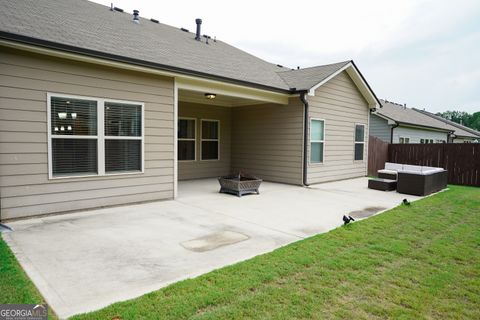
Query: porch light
{"points": [[210, 96]]}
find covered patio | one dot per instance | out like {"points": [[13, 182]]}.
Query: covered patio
{"points": [[87, 260], [221, 131]]}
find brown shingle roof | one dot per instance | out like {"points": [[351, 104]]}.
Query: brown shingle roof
{"points": [[460, 130], [421, 118], [94, 28]]}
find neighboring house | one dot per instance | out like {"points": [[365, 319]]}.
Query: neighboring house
{"points": [[100, 107], [461, 133], [395, 123]]}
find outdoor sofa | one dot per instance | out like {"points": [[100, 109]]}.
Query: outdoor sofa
{"points": [[415, 180]]}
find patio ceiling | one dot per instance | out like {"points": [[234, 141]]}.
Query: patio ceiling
{"points": [[220, 99]]}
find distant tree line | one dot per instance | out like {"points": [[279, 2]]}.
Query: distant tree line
{"points": [[462, 117]]}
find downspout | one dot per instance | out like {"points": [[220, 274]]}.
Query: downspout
{"points": [[305, 137], [391, 131]]}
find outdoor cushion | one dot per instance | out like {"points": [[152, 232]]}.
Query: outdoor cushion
{"points": [[393, 166], [430, 171], [412, 172], [410, 168], [387, 171]]}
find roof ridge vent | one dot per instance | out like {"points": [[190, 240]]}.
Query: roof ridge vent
{"points": [[113, 8], [135, 16], [184, 30], [154, 20], [207, 38]]}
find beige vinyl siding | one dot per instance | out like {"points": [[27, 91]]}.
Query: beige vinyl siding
{"points": [[24, 185], [208, 168], [339, 103], [267, 141]]}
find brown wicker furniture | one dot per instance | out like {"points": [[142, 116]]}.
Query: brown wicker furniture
{"points": [[239, 184], [382, 184], [421, 183], [385, 175], [412, 179], [390, 171]]}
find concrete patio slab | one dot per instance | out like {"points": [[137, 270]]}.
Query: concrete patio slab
{"points": [[87, 260]]}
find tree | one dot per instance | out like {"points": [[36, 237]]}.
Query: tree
{"points": [[462, 117]]}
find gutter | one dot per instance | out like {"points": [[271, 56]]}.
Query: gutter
{"points": [[132, 61], [391, 131], [305, 136]]}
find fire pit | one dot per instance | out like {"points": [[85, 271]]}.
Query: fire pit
{"points": [[239, 184]]}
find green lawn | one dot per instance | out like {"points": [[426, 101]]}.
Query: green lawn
{"points": [[413, 262], [15, 286]]}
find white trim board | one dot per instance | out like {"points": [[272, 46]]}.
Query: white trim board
{"points": [[100, 136]]}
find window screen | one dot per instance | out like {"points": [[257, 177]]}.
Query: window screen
{"points": [[123, 155], [359, 141], [210, 140], [186, 139], [74, 156], [317, 133]]}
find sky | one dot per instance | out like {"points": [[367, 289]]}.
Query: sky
{"points": [[425, 53]]}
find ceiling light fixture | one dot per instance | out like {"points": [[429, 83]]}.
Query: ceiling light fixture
{"points": [[210, 96]]}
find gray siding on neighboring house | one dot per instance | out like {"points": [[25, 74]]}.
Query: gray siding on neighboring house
{"points": [[415, 134], [209, 168], [267, 141], [379, 128], [341, 105], [24, 185]]}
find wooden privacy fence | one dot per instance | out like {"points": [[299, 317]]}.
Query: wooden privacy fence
{"points": [[462, 160], [377, 155]]}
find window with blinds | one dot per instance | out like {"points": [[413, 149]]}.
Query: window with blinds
{"points": [[123, 137], [210, 139], [74, 136], [80, 144]]}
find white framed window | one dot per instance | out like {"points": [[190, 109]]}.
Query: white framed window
{"points": [[317, 140], [359, 142], [404, 140], [94, 137], [209, 139], [187, 139]]}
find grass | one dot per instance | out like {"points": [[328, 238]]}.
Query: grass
{"points": [[413, 262], [15, 286]]}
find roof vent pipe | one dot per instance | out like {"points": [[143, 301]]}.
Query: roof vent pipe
{"points": [[135, 16], [199, 24]]}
